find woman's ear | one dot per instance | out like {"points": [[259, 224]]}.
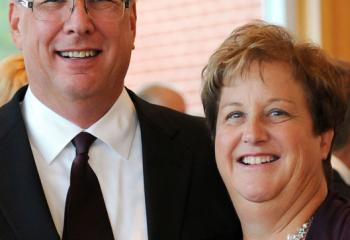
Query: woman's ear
{"points": [[326, 142], [14, 19]]}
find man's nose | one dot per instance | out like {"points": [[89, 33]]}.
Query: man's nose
{"points": [[78, 5], [255, 131], [79, 21]]}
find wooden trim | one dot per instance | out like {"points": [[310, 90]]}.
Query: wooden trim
{"points": [[335, 29]]}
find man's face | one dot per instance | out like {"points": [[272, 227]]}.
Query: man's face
{"points": [[99, 53]]}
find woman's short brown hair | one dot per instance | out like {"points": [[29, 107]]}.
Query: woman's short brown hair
{"points": [[261, 42]]}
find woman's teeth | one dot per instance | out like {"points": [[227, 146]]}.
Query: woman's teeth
{"points": [[254, 160]]}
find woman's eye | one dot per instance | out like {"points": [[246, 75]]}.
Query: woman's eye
{"points": [[277, 112], [278, 115], [234, 115]]}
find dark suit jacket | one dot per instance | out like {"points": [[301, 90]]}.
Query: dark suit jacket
{"points": [[339, 185], [185, 197]]}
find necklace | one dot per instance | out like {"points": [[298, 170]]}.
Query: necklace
{"points": [[300, 234]]}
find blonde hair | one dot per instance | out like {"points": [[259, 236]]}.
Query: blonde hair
{"points": [[12, 77], [262, 42]]}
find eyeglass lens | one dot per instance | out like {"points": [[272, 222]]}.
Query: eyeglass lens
{"points": [[60, 10]]}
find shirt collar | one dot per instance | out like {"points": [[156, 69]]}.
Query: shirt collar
{"points": [[117, 127], [342, 169], [49, 133]]}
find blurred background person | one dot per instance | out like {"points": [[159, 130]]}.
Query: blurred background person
{"points": [[12, 77], [341, 149], [272, 106], [164, 96]]}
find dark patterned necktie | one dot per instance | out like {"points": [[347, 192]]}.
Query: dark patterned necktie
{"points": [[86, 215]]}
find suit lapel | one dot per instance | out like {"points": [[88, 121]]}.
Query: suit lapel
{"points": [[166, 174], [22, 200]]}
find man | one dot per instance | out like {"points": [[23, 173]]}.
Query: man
{"points": [[154, 167], [163, 96]]}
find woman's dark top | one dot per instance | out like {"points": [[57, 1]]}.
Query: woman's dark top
{"points": [[331, 220]]}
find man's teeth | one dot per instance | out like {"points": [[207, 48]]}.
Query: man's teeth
{"points": [[252, 160], [79, 54]]}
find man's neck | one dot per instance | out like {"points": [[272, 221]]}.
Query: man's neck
{"points": [[82, 112]]}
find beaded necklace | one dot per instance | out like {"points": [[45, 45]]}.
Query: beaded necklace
{"points": [[300, 234]]}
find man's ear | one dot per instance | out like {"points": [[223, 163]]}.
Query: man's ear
{"points": [[133, 19], [326, 142], [14, 20]]}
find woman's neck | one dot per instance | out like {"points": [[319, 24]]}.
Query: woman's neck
{"points": [[283, 215]]}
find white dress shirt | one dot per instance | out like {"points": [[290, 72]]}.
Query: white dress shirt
{"points": [[341, 168], [115, 157]]}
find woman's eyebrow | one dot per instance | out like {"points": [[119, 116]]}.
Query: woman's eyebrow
{"points": [[272, 100], [230, 103]]}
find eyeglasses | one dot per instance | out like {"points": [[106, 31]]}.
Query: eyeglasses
{"points": [[60, 10]]}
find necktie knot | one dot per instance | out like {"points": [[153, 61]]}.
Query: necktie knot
{"points": [[82, 142]]}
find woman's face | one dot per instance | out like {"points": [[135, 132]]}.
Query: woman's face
{"points": [[265, 144]]}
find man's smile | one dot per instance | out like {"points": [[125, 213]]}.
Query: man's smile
{"points": [[79, 54]]}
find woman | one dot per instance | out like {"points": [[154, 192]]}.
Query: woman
{"points": [[12, 77], [272, 106]]}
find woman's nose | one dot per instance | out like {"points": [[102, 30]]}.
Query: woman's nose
{"points": [[254, 132]]}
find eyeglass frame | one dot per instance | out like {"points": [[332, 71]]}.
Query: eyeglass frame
{"points": [[30, 4]]}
